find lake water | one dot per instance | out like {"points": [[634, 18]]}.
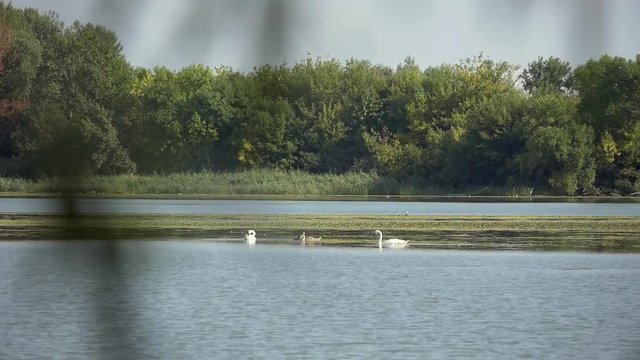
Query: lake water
{"points": [[157, 206], [211, 300]]}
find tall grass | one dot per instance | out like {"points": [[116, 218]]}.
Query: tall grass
{"points": [[20, 185], [246, 182], [251, 182]]}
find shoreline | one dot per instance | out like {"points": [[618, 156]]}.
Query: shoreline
{"points": [[294, 197]]}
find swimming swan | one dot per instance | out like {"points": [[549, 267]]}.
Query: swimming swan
{"points": [[304, 239], [250, 237], [391, 243]]}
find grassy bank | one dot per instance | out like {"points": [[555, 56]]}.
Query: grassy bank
{"points": [[253, 182], [460, 232]]}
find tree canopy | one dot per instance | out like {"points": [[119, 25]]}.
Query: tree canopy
{"points": [[70, 102]]}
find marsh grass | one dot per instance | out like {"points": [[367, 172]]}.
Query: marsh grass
{"points": [[250, 182], [19, 185]]}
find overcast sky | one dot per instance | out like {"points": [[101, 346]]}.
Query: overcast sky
{"points": [[246, 33]]}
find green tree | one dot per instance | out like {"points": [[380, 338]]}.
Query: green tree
{"points": [[70, 130], [551, 74], [609, 91], [558, 151], [20, 55], [364, 91], [392, 150], [318, 104], [156, 142], [392, 157], [448, 119], [206, 106], [405, 91], [264, 143], [489, 144]]}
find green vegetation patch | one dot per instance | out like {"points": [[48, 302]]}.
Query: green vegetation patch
{"points": [[73, 106], [458, 232], [254, 183]]}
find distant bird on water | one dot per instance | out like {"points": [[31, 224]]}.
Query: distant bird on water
{"points": [[304, 239], [390, 243], [250, 237]]}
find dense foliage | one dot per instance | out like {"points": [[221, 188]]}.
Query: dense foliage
{"points": [[70, 103]]}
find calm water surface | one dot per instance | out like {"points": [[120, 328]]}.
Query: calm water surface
{"points": [[161, 206], [210, 300]]}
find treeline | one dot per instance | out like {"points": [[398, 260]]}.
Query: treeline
{"points": [[70, 103]]}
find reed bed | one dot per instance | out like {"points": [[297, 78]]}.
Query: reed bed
{"points": [[249, 182]]}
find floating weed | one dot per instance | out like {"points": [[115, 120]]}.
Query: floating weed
{"points": [[464, 232]]}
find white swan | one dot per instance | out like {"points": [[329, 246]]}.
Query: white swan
{"points": [[250, 237], [304, 239], [391, 243]]}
